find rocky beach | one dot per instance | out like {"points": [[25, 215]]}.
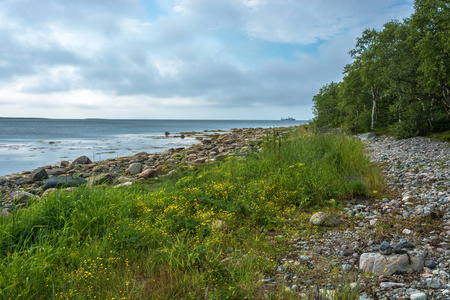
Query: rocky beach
{"points": [[17, 190], [401, 242], [400, 239]]}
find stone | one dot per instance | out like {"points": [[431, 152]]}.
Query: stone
{"points": [[161, 169], [149, 173], [128, 183], [373, 223], [346, 267], [434, 283], [21, 197], [56, 172], [388, 285], [385, 248], [24, 181], [200, 160], [379, 264], [323, 219], [38, 174], [406, 231], [65, 181], [66, 164], [48, 192], [221, 156], [101, 179], [370, 136], [135, 168], [82, 160], [418, 296]]}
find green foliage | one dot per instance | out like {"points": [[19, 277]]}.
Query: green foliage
{"points": [[207, 233], [399, 77]]}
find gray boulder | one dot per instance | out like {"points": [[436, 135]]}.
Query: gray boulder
{"points": [[82, 160], [38, 174], [379, 264], [65, 181], [370, 136], [135, 168]]}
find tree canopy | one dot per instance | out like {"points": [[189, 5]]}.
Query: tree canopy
{"points": [[398, 79]]}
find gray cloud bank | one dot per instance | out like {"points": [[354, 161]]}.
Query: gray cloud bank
{"points": [[188, 57]]}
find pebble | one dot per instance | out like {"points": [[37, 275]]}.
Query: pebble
{"points": [[418, 296]]}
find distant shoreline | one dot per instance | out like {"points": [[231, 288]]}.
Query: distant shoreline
{"points": [[151, 119]]}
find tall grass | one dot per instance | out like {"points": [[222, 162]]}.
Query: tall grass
{"points": [[206, 234]]}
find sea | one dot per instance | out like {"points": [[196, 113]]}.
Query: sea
{"points": [[26, 144]]}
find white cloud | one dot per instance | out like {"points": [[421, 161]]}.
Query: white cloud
{"points": [[185, 58]]}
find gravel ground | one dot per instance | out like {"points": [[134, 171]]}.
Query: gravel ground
{"points": [[415, 215]]}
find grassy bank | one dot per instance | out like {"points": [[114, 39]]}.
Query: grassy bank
{"points": [[213, 233]]}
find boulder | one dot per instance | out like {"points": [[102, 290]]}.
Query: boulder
{"points": [[161, 169], [123, 179], [323, 219], [66, 164], [200, 160], [370, 136], [135, 168], [379, 264], [149, 173], [82, 160], [22, 196], [105, 178], [56, 171], [24, 181], [65, 181], [38, 174]]}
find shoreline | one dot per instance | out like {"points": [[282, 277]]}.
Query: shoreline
{"points": [[212, 145], [415, 213]]}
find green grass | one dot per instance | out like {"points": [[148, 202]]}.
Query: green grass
{"points": [[204, 234], [442, 136]]}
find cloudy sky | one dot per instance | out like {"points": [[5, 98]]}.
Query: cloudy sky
{"points": [[188, 59]]}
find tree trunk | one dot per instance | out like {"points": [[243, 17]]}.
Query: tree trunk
{"points": [[375, 97]]}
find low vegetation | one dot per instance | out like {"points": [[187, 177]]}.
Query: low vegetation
{"points": [[213, 233]]}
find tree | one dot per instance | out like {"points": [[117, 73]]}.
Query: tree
{"points": [[325, 105], [431, 30], [370, 68]]}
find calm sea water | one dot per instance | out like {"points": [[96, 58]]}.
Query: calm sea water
{"points": [[26, 144]]}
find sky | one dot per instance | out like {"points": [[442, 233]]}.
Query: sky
{"points": [[178, 59]]}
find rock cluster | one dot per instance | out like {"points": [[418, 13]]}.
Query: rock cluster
{"points": [[401, 243], [18, 189]]}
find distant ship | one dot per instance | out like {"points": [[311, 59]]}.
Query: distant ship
{"points": [[287, 119]]}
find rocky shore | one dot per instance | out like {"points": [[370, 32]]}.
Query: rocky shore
{"points": [[18, 190], [401, 240]]}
